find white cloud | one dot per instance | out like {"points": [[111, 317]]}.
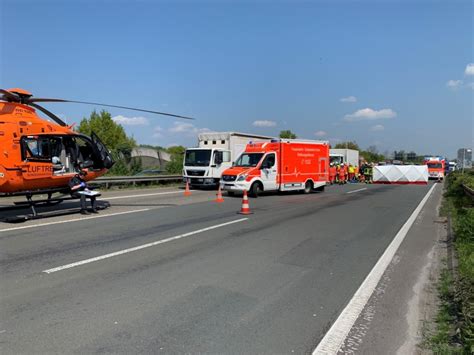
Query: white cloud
{"points": [[187, 129], [368, 114], [454, 84], [377, 128], [180, 127], [348, 99], [320, 133], [130, 121], [264, 123], [158, 132], [469, 69]]}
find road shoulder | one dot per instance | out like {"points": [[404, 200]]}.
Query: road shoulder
{"points": [[393, 319]]}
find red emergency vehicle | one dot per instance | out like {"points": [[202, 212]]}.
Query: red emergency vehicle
{"points": [[436, 166], [279, 165]]}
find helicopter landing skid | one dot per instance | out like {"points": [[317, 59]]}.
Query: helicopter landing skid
{"points": [[47, 202]]}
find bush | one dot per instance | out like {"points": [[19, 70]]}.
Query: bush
{"points": [[175, 166], [456, 315]]}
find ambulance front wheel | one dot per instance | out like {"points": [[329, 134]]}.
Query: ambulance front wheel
{"points": [[255, 189]]}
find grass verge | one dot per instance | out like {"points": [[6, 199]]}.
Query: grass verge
{"points": [[454, 330]]}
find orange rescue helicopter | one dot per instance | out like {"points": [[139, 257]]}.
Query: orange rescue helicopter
{"points": [[39, 156]]}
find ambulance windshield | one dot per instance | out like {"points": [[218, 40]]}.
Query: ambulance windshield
{"points": [[435, 165], [249, 159]]}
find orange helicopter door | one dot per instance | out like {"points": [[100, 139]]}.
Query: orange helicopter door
{"points": [[104, 155]]}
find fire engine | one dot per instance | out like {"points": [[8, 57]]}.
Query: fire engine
{"points": [[279, 165], [436, 166]]}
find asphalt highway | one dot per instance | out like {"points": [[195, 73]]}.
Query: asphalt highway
{"points": [[161, 272]]}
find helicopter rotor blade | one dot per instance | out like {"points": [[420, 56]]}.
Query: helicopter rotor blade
{"points": [[10, 96], [31, 100], [49, 114]]}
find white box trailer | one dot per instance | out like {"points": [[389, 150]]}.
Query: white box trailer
{"points": [[347, 156], [216, 151]]}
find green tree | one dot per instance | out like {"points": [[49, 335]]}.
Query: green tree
{"points": [[372, 155], [110, 133], [175, 166], [287, 134], [113, 136], [135, 166], [347, 145]]}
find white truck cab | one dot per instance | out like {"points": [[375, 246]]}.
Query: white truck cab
{"points": [[203, 165]]}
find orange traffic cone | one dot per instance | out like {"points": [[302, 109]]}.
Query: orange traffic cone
{"points": [[245, 204], [187, 192], [219, 195]]}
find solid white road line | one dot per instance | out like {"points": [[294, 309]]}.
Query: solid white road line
{"points": [[73, 220], [350, 192], [143, 195], [335, 337], [129, 250]]}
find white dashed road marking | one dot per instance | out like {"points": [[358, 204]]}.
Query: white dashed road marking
{"points": [[129, 250], [72, 220], [350, 192], [143, 195]]}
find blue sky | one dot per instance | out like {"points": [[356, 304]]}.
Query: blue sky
{"points": [[254, 66]]}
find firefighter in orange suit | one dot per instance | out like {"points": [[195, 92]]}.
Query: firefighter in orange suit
{"points": [[342, 174], [332, 173]]}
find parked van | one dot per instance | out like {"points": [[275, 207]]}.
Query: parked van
{"points": [[279, 165]]}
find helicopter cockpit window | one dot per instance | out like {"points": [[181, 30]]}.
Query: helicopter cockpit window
{"points": [[40, 148], [36, 149]]}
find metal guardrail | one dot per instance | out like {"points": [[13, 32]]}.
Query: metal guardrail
{"points": [[468, 191], [111, 180]]}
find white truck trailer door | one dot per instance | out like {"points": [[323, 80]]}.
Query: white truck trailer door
{"points": [[237, 150]]}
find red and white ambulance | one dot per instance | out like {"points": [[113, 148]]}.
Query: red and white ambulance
{"points": [[279, 165]]}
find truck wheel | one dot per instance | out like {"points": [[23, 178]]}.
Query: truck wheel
{"points": [[308, 187], [255, 189]]}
